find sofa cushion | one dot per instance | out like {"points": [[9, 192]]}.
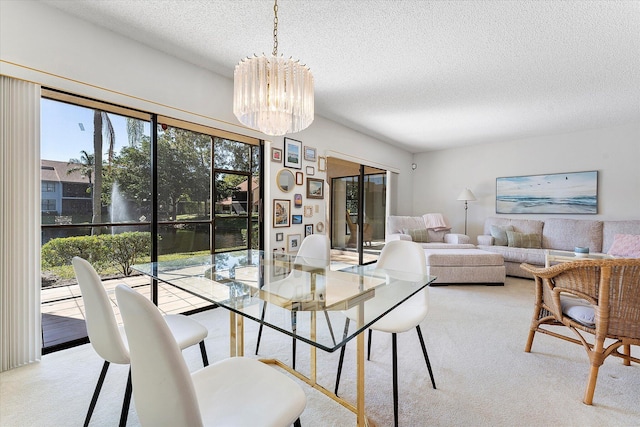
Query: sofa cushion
{"points": [[456, 238], [527, 226], [499, 234], [399, 225], [520, 225], [625, 245], [417, 234], [485, 240], [579, 310], [523, 240], [611, 228], [395, 224], [517, 255], [494, 221], [566, 234], [439, 245], [436, 235]]}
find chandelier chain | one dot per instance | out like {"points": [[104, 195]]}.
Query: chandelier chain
{"points": [[275, 28]]}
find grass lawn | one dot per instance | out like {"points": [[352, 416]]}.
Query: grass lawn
{"points": [[66, 272]]}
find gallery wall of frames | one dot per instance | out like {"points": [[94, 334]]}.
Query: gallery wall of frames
{"points": [[298, 198]]}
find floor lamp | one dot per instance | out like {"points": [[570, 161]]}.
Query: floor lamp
{"points": [[467, 196]]}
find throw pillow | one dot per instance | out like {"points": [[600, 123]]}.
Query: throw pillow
{"points": [[499, 234], [579, 310], [417, 234], [522, 240], [625, 245]]}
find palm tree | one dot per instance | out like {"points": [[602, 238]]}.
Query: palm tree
{"points": [[101, 126], [85, 166], [135, 131]]}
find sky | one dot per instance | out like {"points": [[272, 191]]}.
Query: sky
{"points": [[61, 132]]}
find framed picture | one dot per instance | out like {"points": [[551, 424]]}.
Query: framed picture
{"points": [[308, 229], [297, 200], [322, 164], [310, 171], [276, 155], [281, 211], [292, 153], [279, 237], [308, 211], [320, 227], [315, 188], [299, 178], [558, 193], [293, 242], [296, 219], [310, 154]]}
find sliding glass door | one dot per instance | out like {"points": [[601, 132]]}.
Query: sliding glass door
{"points": [[358, 209], [95, 202], [120, 187]]}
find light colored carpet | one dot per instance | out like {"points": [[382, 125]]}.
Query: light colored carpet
{"points": [[475, 337]]}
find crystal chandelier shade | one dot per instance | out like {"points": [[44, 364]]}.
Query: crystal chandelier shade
{"points": [[273, 94]]}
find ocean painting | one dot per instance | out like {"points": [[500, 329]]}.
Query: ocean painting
{"points": [[558, 193]]}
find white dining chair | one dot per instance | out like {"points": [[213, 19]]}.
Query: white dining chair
{"points": [[397, 257], [110, 341], [314, 250], [236, 391]]}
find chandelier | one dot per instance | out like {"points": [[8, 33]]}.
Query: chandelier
{"points": [[273, 94]]}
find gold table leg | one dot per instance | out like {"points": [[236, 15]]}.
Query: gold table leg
{"points": [[312, 356], [236, 348], [232, 334], [240, 336], [236, 334], [312, 353]]}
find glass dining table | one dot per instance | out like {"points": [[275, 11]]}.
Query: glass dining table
{"points": [[243, 281]]}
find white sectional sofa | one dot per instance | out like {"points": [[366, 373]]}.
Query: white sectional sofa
{"points": [[551, 233], [450, 256], [401, 227]]}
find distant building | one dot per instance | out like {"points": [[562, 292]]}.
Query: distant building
{"points": [[237, 203], [64, 194]]}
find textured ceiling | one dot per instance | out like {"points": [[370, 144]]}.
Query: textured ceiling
{"points": [[423, 75]]}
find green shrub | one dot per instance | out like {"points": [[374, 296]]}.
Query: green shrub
{"points": [[58, 252], [102, 251], [255, 242], [126, 248]]}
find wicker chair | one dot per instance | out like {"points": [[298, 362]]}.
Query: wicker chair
{"points": [[611, 287]]}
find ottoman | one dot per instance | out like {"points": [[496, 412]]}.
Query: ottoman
{"points": [[465, 266]]}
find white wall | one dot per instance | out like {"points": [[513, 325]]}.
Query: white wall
{"points": [[613, 152], [41, 44]]}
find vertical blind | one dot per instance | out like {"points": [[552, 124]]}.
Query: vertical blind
{"points": [[20, 329]]}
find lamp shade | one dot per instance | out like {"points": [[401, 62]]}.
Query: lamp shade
{"points": [[466, 195]]}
